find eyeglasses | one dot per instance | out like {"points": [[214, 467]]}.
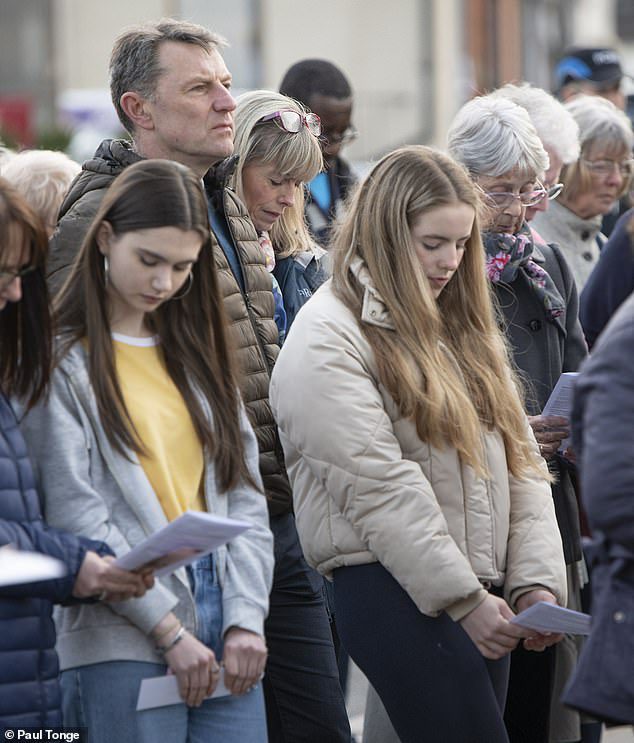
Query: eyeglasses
{"points": [[291, 121], [606, 167], [347, 135], [8, 277], [553, 191], [503, 199]]}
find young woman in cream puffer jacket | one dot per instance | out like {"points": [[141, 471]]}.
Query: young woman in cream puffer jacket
{"points": [[424, 515]]}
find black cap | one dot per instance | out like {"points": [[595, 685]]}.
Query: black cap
{"points": [[594, 65]]}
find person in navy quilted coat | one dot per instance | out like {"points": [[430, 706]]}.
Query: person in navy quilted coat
{"points": [[29, 692], [603, 421]]}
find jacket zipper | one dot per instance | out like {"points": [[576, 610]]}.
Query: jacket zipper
{"points": [[279, 454]]}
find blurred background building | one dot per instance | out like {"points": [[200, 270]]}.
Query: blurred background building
{"points": [[412, 63]]}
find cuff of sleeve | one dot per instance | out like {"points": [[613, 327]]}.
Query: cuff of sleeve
{"points": [[516, 593], [102, 549], [461, 608], [244, 614], [148, 611]]}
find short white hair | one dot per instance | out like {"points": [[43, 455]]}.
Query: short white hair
{"points": [[491, 135], [43, 178], [600, 121], [555, 126], [5, 155]]}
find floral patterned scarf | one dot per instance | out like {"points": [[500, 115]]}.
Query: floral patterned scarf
{"points": [[509, 255], [267, 248]]}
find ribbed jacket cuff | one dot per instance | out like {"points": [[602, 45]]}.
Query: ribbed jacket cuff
{"points": [[461, 608]]}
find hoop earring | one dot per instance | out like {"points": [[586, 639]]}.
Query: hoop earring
{"points": [[106, 270], [190, 283]]}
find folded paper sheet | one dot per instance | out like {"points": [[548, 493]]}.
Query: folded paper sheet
{"points": [[184, 540], [161, 691], [18, 567], [545, 617]]}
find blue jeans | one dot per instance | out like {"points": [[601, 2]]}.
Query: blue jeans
{"points": [[103, 696]]}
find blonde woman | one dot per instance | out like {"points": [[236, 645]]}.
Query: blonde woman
{"points": [[277, 140], [417, 484]]}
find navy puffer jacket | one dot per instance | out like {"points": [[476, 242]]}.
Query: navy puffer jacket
{"points": [[29, 689]]}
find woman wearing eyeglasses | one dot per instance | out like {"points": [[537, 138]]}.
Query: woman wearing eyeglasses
{"points": [[592, 185], [277, 141], [538, 308], [557, 130]]}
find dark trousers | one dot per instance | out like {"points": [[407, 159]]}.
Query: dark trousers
{"points": [[434, 683], [532, 676], [304, 701]]}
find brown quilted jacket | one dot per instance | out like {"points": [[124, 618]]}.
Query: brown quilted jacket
{"points": [[254, 334]]}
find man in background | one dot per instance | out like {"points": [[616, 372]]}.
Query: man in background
{"points": [[591, 71], [324, 89]]}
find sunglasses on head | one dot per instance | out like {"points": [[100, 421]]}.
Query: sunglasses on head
{"points": [[291, 121]]}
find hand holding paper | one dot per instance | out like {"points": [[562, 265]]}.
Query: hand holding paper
{"points": [[560, 401]]}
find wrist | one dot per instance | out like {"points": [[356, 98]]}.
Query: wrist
{"points": [[533, 596], [169, 621], [172, 641], [168, 634], [235, 628]]}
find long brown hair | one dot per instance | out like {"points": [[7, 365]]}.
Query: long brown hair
{"points": [[25, 326], [194, 346], [447, 365]]}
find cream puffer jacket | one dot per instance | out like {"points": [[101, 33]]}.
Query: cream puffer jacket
{"points": [[366, 488]]}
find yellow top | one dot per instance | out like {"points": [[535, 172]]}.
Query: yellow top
{"points": [[174, 461]]}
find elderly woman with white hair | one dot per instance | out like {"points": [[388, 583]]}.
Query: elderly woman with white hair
{"points": [[557, 130], [592, 185], [559, 134], [43, 178], [538, 307]]}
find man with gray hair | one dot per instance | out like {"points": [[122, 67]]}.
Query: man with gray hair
{"points": [[171, 89], [154, 71]]}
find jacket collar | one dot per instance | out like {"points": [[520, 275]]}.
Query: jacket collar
{"points": [[374, 310], [559, 214], [217, 178]]}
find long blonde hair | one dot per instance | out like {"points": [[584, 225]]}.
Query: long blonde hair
{"points": [[447, 365], [296, 156]]}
